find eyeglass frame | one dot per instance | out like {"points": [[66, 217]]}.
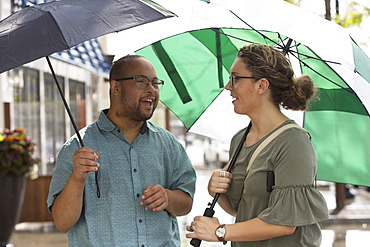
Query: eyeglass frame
{"points": [[160, 82], [233, 77]]}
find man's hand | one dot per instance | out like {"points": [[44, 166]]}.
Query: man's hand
{"points": [[67, 206], [155, 198], [84, 161]]}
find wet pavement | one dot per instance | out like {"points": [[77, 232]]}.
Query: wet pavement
{"points": [[349, 228]]}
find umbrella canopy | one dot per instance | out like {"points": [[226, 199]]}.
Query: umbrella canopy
{"points": [[197, 62], [43, 29]]}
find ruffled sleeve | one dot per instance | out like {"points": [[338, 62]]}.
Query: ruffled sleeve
{"points": [[295, 205]]}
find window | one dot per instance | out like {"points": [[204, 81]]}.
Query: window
{"points": [[54, 119], [77, 103], [19, 4], [27, 103]]}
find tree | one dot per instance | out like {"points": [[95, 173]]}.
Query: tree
{"points": [[354, 15], [327, 10]]}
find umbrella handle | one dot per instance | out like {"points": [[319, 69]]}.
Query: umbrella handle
{"points": [[209, 212]]}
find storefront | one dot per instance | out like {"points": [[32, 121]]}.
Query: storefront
{"points": [[30, 100]]}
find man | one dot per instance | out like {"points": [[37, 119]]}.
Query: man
{"points": [[145, 179]]}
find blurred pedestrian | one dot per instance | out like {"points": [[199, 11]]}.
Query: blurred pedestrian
{"points": [[145, 178], [262, 80]]}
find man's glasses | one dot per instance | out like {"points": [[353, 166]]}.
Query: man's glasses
{"points": [[234, 79], [142, 82]]}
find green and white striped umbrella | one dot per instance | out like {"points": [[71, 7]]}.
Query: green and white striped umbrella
{"points": [[194, 62]]}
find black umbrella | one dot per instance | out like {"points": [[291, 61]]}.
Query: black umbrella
{"points": [[43, 29]]}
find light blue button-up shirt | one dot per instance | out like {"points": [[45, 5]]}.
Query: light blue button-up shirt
{"points": [[117, 218]]}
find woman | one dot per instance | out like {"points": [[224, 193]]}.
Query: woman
{"points": [[262, 80]]}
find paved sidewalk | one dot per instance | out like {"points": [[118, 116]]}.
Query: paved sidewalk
{"points": [[349, 228], [356, 210]]}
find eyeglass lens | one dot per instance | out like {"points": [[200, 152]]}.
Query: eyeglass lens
{"points": [[143, 83], [231, 79]]}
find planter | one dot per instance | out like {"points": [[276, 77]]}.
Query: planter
{"points": [[12, 189], [34, 205]]}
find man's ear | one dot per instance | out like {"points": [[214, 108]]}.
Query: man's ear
{"points": [[263, 85], [114, 87]]}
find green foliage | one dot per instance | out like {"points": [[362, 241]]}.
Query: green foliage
{"points": [[17, 154], [353, 16], [292, 2]]}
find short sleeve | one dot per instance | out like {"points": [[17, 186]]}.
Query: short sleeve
{"points": [[295, 205], [183, 176], [62, 172]]}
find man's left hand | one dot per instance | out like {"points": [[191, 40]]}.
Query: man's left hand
{"points": [[155, 198]]}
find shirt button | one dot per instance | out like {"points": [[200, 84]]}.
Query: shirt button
{"points": [[135, 170], [118, 131], [142, 245], [140, 221], [137, 195]]}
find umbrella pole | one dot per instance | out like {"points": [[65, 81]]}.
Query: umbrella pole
{"points": [[65, 102], [72, 120], [209, 212]]}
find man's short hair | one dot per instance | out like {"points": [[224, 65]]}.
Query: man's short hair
{"points": [[121, 66]]}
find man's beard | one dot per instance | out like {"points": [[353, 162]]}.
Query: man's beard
{"points": [[133, 112]]}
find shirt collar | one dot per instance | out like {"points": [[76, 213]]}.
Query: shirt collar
{"points": [[105, 124]]}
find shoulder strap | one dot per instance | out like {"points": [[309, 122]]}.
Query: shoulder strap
{"points": [[269, 139], [241, 143]]}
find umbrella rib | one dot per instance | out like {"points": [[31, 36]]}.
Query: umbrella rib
{"points": [[282, 42], [305, 64], [283, 47], [264, 36], [295, 55], [287, 50], [311, 57], [277, 44], [246, 40], [287, 46]]}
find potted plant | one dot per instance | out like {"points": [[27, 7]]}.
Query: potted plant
{"points": [[17, 160]]}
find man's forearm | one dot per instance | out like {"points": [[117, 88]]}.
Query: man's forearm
{"points": [[67, 206], [179, 202]]}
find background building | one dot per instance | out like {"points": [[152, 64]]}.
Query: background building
{"points": [[30, 98]]}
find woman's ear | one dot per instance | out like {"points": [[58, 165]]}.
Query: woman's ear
{"points": [[263, 85]]}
